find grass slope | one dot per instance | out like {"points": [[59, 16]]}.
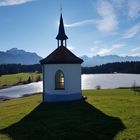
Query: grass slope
{"points": [[105, 115], [14, 79]]}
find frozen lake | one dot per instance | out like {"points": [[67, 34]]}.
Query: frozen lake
{"points": [[89, 81]]}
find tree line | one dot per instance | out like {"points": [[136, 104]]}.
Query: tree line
{"points": [[117, 67], [18, 68]]}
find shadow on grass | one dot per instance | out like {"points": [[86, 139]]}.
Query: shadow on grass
{"points": [[65, 121]]}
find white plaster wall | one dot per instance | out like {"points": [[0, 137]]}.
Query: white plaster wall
{"points": [[72, 73]]}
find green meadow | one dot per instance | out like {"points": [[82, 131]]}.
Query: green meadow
{"points": [[104, 115], [16, 79]]}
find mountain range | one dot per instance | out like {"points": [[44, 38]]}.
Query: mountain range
{"points": [[17, 56], [99, 60]]}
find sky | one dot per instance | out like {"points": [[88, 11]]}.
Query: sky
{"points": [[94, 27]]}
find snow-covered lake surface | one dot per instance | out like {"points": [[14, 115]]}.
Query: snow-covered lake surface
{"points": [[89, 81]]}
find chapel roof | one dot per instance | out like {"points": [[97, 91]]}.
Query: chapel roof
{"points": [[61, 55]]}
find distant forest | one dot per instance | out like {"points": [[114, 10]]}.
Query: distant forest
{"points": [[18, 68], [117, 67]]}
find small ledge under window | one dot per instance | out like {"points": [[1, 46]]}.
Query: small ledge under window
{"points": [[59, 88]]}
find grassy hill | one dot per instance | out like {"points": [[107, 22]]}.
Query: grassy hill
{"points": [[15, 79], [104, 115]]}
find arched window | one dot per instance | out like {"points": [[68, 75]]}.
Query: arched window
{"points": [[59, 80]]}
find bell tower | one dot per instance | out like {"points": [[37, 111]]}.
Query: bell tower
{"points": [[61, 37]]}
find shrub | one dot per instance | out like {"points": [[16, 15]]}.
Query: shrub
{"points": [[98, 87]]}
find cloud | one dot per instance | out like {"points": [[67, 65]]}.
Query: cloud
{"points": [[119, 3], [135, 49], [132, 32], [96, 45], [108, 21], [133, 8], [13, 2], [104, 51], [92, 52], [135, 54], [71, 48], [130, 7], [81, 23], [115, 46]]}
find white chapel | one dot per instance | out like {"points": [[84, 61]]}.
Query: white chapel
{"points": [[61, 72]]}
